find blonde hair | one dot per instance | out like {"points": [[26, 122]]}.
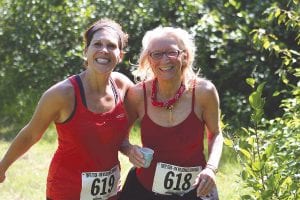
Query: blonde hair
{"points": [[185, 41]]}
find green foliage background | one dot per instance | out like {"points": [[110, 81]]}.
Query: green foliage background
{"points": [[41, 43], [237, 40]]}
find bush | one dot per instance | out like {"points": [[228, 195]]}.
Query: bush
{"points": [[269, 150]]}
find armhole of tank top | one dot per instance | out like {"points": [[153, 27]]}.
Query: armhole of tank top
{"points": [[72, 114], [72, 80], [145, 97]]}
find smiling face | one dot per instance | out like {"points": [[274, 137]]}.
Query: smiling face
{"points": [[170, 65], [103, 53]]}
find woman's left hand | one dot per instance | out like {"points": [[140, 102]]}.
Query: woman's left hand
{"points": [[205, 182], [136, 157]]}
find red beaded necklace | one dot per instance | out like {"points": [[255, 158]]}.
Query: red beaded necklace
{"points": [[165, 104]]}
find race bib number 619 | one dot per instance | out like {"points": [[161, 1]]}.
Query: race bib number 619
{"points": [[100, 185]]}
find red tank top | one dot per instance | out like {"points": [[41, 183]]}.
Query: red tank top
{"points": [[87, 142], [180, 145]]}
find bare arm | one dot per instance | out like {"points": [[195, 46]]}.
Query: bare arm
{"points": [[133, 103], [211, 116], [209, 101], [125, 86], [132, 113], [47, 110]]}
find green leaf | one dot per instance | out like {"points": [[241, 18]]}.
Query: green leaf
{"points": [[269, 150], [266, 44], [251, 82], [276, 93], [244, 175], [251, 140], [247, 197], [228, 142], [257, 166], [245, 130], [261, 87], [287, 182], [245, 153], [255, 100], [257, 115], [277, 12]]}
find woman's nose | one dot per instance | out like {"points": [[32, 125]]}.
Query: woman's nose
{"points": [[103, 48]]}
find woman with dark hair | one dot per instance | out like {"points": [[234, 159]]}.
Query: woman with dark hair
{"points": [[90, 120]]}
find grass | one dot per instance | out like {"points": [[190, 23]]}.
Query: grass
{"points": [[26, 178]]}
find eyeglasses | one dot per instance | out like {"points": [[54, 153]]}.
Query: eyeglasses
{"points": [[157, 55]]}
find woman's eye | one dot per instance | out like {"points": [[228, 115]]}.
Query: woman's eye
{"points": [[111, 46], [97, 44], [156, 54], [172, 53]]}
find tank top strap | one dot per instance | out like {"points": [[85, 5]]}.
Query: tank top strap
{"points": [[78, 88], [193, 95], [145, 97]]}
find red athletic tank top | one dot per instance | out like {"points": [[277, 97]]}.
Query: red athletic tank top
{"points": [[87, 142], [180, 145]]}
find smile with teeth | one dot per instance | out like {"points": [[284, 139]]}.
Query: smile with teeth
{"points": [[166, 68], [102, 60]]}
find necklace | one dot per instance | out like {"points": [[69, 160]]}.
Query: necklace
{"points": [[168, 104]]}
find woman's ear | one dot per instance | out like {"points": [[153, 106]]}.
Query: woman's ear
{"points": [[185, 58], [186, 55], [122, 54], [84, 54]]}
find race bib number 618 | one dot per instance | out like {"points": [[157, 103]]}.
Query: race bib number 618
{"points": [[172, 179]]}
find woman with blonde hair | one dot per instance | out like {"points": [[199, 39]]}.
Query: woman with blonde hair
{"points": [[174, 107]]}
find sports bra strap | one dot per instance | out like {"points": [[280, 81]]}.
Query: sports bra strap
{"points": [[78, 86], [115, 91]]}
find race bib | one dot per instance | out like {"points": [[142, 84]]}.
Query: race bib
{"points": [[172, 179], [100, 185]]}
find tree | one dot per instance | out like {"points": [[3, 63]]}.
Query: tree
{"points": [[41, 43]]}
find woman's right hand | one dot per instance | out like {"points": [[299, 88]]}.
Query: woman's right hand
{"points": [[2, 174], [2, 178], [136, 157]]}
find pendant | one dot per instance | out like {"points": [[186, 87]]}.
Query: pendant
{"points": [[170, 108]]}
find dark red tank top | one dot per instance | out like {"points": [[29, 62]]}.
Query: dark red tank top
{"points": [[180, 145], [87, 142]]}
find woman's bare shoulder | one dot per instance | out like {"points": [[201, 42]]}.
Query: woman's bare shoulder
{"points": [[205, 90], [121, 80], [136, 91], [62, 91], [204, 84]]}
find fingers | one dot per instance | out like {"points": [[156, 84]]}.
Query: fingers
{"points": [[2, 178], [205, 187], [2, 173], [206, 183], [136, 157]]}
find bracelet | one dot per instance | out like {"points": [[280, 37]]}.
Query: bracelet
{"points": [[213, 168]]}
